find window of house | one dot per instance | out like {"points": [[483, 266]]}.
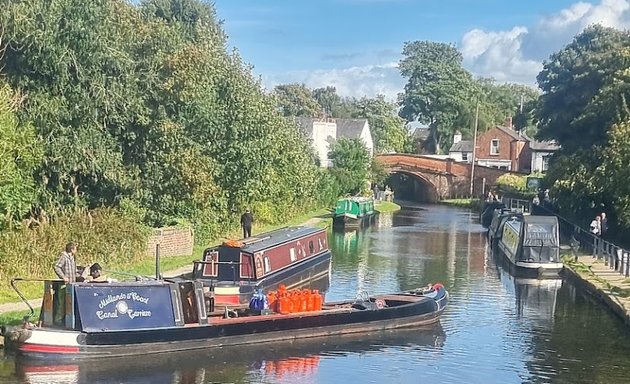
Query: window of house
{"points": [[545, 163], [464, 156], [494, 147]]}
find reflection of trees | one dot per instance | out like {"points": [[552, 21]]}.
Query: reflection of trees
{"points": [[584, 344]]}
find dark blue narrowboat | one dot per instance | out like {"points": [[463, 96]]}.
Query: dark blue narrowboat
{"points": [[159, 316], [293, 256]]}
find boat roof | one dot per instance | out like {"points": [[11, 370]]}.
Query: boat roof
{"points": [[358, 199], [535, 219], [279, 236]]}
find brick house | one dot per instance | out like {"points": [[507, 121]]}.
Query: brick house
{"points": [[504, 148]]}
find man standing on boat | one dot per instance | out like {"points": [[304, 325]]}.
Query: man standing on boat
{"points": [[246, 222], [66, 269]]}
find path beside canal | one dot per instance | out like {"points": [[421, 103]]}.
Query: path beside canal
{"points": [[604, 283]]}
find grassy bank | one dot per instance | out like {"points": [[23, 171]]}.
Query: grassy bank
{"points": [[146, 266], [386, 206], [463, 203]]}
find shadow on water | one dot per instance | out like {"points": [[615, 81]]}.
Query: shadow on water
{"points": [[275, 362]]}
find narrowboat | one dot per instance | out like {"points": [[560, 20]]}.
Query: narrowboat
{"points": [[487, 212], [531, 246], [495, 230], [125, 319], [293, 256], [354, 212]]}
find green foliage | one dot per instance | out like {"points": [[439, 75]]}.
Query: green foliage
{"points": [[388, 129], [20, 153], [297, 100], [103, 235], [140, 105], [438, 90], [351, 164], [585, 88], [512, 183]]}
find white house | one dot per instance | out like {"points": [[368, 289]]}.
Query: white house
{"points": [[541, 153], [324, 131], [461, 150]]}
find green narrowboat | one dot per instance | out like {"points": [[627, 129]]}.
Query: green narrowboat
{"points": [[354, 212]]}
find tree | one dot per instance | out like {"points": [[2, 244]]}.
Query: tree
{"points": [[328, 100], [20, 154], [576, 107], [387, 128], [351, 164], [438, 88], [296, 100]]}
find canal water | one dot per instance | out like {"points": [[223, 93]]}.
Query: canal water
{"points": [[497, 329]]}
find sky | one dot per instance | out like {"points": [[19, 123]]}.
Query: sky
{"points": [[355, 45]]}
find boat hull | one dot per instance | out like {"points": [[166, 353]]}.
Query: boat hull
{"points": [[335, 319], [348, 221]]}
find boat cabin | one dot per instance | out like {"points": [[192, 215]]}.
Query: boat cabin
{"points": [[533, 239], [500, 217], [287, 256], [356, 206]]}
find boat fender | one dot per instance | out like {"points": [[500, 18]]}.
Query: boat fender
{"points": [[380, 303], [230, 313]]}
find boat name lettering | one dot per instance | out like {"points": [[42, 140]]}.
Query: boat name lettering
{"points": [[114, 314], [122, 296]]}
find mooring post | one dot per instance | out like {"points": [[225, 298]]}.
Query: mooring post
{"points": [[157, 262]]}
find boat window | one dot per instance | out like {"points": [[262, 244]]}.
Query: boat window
{"points": [[211, 270], [319, 241], [311, 247], [292, 253], [246, 266], [267, 265]]}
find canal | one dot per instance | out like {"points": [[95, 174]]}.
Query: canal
{"points": [[497, 329]]}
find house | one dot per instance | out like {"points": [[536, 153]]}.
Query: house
{"points": [[322, 132], [541, 152], [461, 150], [504, 148]]}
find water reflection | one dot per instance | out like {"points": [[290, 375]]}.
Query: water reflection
{"points": [[278, 362]]}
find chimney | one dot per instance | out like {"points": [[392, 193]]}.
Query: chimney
{"points": [[508, 122], [457, 137]]}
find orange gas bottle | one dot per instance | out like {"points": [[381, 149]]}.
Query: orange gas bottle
{"points": [[318, 300], [284, 305], [310, 301], [303, 301], [295, 299]]}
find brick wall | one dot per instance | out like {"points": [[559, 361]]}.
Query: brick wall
{"points": [[173, 241]]}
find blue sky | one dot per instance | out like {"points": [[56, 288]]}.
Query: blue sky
{"points": [[355, 44]]}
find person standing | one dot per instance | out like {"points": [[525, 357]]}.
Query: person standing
{"points": [[246, 223], [66, 269], [603, 223]]}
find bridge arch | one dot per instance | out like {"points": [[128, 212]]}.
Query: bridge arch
{"points": [[413, 186], [447, 177]]}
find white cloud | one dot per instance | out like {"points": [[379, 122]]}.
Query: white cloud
{"points": [[356, 81], [513, 55], [516, 55]]}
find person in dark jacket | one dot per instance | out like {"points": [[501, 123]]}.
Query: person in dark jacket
{"points": [[246, 223]]}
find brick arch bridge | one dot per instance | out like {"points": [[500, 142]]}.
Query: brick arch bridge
{"points": [[437, 179]]}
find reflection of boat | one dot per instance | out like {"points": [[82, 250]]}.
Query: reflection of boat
{"points": [[535, 298], [354, 212], [531, 246], [292, 256], [135, 318], [269, 361]]}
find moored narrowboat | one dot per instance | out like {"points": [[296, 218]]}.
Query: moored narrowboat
{"points": [[160, 316], [531, 246], [499, 218], [354, 212], [292, 256]]}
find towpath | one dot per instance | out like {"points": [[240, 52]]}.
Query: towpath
{"points": [[604, 283]]}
